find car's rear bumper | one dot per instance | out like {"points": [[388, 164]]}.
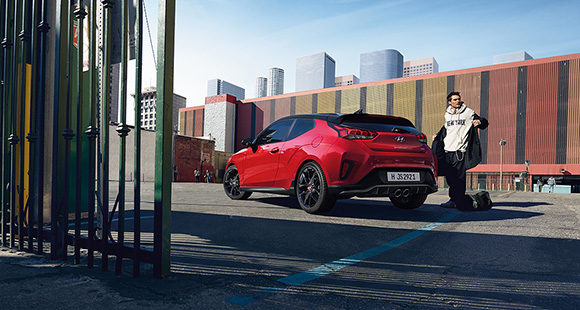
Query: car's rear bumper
{"points": [[375, 184]]}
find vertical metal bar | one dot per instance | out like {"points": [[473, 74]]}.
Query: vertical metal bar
{"points": [[68, 135], [41, 87], [80, 15], [3, 123], [24, 37], [20, 107], [60, 24], [123, 131], [32, 136], [92, 131], [163, 136], [137, 156], [13, 139], [106, 98]]}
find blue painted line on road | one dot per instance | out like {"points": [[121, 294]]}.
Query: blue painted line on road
{"points": [[323, 270]]}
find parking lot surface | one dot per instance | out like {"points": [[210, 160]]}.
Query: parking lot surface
{"points": [[266, 253]]}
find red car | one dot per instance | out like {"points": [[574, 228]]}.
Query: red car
{"points": [[323, 157]]}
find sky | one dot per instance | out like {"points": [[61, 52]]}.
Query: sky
{"points": [[239, 40]]}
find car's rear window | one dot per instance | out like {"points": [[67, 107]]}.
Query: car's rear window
{"points": [[379, 123]]}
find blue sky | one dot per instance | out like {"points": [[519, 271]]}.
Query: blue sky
{"points": [[239, 40]]}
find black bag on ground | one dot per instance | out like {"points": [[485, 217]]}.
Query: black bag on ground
{"points": [[480, 202]]}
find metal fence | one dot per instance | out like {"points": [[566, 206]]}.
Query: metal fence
{"points": [[55, 101]]}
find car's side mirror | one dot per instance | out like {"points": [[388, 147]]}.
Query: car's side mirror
{"points": [[247, 142]]}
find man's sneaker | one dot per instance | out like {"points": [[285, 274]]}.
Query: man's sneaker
{"points": [[449, 204]]}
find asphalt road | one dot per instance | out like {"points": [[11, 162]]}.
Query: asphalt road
{"points": [[266, 253]]}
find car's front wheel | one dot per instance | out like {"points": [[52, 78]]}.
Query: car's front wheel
{"points": [[312, 189], [232, 184], [409, 202]]}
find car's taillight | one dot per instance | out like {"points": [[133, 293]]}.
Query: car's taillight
{"points": [[355, 134], [422, 138]]}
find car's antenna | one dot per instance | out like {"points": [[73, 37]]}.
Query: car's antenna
{"points": [[360, 111]]}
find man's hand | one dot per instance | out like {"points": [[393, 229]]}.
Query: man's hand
{"points": [[476, 122]]}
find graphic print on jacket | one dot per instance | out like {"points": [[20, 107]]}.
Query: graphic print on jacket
{"points": [[457, 124]]}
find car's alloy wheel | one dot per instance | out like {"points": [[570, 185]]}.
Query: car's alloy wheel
{"points": [[232, 184], [410, 202], [312, 190]]}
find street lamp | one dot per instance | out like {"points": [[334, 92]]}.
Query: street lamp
{"points": [[502, 142]]}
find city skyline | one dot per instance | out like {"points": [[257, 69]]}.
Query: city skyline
{"points": [[459, 35]]}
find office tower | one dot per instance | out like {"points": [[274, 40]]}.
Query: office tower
{"points": [[315, 72], [260, 87], [420, 67], [346, 80], [511, 57], [220, 87], [381, 65], [149, 108], [275, 81]]}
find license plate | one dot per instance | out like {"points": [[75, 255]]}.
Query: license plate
{"points": [[403, 176]]}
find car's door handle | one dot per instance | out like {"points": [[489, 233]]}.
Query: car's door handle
{"points": [[274, 150]]}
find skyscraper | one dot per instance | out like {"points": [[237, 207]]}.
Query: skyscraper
{"points": [[315, 72], [149, 108], [275, 81], [220, 87], [511, 57], [420, 66], [346, 80], [381, 65], [260, 87]]}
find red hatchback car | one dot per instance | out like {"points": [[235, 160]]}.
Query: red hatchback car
{"points": [[323, 157]]}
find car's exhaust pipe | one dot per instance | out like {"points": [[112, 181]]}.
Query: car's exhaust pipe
{"points": [[406, 192], [398, 192]]}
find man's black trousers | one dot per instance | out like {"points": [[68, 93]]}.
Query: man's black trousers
{"points": [[457, 177]]}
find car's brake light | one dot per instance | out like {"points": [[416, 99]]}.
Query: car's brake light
{"points": [[355, 134], [422, 138]]}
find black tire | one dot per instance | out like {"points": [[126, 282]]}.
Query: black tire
{"points": [[411, 202], [312, 190], [232, 184]]}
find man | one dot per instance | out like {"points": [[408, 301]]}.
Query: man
{"points": [[551, 183], [458, 148]]}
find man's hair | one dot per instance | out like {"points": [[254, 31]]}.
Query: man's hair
{"points": [[453, 93]]}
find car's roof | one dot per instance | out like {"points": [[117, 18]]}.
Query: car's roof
{"points": [[353, 117]]}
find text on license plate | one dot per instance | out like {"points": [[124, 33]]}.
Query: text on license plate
{"points": [[403, 176]]}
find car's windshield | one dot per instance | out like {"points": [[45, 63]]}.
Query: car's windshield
{"points": [[379, 123]]}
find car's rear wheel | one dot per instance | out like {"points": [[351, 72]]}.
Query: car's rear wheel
{"points": [[232, 184], [312, 189], [409, 202]]}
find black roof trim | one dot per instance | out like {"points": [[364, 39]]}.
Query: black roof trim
{"points": [[338, 118]]}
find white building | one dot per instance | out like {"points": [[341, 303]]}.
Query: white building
{"points": [[346, 80], [275, 81], [420, 67], [315, 72], [149, 108], [511, 57], [217, 87], [261, 87]]}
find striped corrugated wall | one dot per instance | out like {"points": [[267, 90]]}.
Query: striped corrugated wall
{"points": [[377, 99], [541, 114], [503, 88], [535, 108], [434, 105], [327, 102], [573, 146], [191, 122], [404, 100]]}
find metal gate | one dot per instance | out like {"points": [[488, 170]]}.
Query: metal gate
{"points": [[54, 122]]}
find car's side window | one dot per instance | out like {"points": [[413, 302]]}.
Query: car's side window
{"points": [[300, 127], [275, 133]]}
